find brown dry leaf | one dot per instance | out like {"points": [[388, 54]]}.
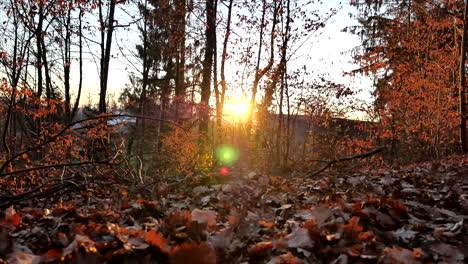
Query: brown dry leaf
{"points": [[23, 258], [10, 211], [353, 225], [51, 255], [156, 239], [400, 255], [23, 255], [447, 250], [204, 217], [260, 247], [192, 253], [299, 238]]}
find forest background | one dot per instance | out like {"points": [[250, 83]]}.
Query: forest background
{"points": [[217, 85]]}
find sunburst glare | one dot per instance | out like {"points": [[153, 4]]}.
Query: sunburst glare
{"points": [[237, 109]]}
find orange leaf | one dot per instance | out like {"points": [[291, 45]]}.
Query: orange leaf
{"points": [[261, 247], [266, 224], [353, 224], [156, 239], [354, 252], [51, 255], [193, 253], [365, 235], [15, 220]]}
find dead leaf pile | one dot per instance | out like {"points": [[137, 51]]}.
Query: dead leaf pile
{"points": [[417, 214]]}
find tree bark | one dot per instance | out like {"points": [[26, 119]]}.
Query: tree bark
{"points": [[260, 73], [80, 82], [223, 63], [210, 34], [180, 86], [106, 44], [462, 84]]}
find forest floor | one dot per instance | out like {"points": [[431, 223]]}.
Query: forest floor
{"points": [[414, 214]]}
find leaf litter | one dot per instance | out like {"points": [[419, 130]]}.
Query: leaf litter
{"points": [[415, 214]]}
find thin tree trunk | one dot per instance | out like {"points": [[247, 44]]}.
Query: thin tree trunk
{"points": [[66, 68], [215, 78], [223, 62], [80, 82], [210, 34], [38, 34], [49, 90], [462, 84], [146, 68], [105, 52], [180, 88], [260, 73]]}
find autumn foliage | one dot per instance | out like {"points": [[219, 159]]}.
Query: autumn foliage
{"points": [[224, 147]]}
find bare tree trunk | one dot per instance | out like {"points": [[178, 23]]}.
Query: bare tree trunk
{"points": [[80, 83], [180, 87], [66, 65], [223, 63], [210, 34], [106, 44], [49, 89], [38, 34], [288, 121], [14, 77], [260, 73], [462, 84], [146, 67], [165, 92]]}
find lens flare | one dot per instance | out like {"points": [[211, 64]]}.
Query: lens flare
{"points": [[227, 155], [224, 171]]}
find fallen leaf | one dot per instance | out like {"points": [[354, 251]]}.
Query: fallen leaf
{"points": [[299, 238], [404, 235], [192, 253], [260, 247], [353, 225], [156, 240], [204, 217], [266, 224]]}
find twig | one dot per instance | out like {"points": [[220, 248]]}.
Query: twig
{"points": [[56, 166], [357, 156]]}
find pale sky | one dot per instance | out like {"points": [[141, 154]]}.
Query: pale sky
{"points": [[326, 53]]}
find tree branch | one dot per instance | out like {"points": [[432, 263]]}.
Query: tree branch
{"points": [[329, 163]]}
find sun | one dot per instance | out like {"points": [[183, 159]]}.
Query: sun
{"points": [[237, 109]]}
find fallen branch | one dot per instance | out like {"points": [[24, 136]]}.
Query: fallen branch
{"points": [[352, 157], [43, 191]]}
